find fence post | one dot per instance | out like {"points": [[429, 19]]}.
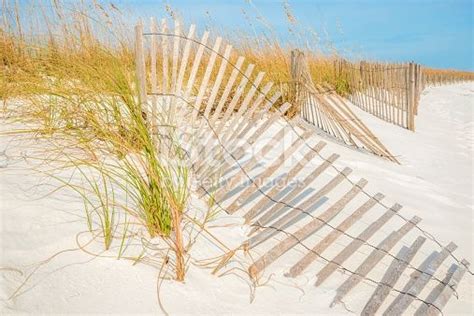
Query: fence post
{"points": [[411, 97], [294, 85], [417, 90], [297, 64], [140, 70], [153, 77], [419, 86]]}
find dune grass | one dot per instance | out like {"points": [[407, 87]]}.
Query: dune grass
{"points": [[72, 67], [77, 86]]}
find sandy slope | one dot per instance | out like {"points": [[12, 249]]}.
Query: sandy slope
{"points": [[434, 182], [436, 175]]}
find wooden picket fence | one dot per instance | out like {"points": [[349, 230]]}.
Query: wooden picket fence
{"points": [[388, 91], [327, 110], [218, 130], [391, 91], [437, 77]]}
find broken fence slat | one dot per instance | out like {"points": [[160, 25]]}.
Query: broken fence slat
{"points": [[184, 60], [235, 98]]}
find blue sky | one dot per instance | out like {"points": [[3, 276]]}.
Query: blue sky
{"points": [[437, 33]]}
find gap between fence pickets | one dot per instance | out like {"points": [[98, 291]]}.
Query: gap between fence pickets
{"points": [[211, 130], [217, 162], [235, 121], [441, 294], [231, 135], [418, 281], [279, 208], [312, 255], [355, 244], [205, 80], [307, 230], [373, 259], [391, 276], [213, 122]]}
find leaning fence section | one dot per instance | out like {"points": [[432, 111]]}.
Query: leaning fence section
{"points": [[322, 107]]}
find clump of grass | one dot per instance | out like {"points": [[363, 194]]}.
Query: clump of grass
{"points": [[80, 87]]}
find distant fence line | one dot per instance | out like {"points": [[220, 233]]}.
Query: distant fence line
{"points": [[390, 91], [436, 77]]}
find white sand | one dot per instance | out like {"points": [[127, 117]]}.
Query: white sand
{"points": [[433, 182]]}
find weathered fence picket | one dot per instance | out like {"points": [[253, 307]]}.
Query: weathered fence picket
{"points": [[391, 276]]}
